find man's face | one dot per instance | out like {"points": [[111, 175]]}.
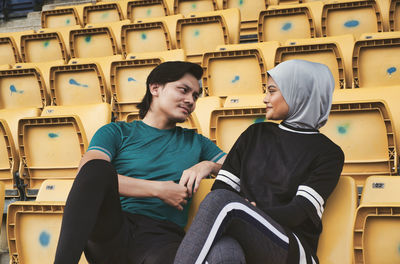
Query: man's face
{"points": [[177, 100]]}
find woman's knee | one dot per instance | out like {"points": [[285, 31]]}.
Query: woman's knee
{"points": [[219, 198], [226, 251]]}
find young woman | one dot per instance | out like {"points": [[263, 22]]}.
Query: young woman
{"points": [[129, 201], [267, 201]]}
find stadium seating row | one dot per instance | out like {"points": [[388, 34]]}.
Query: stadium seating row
{"points": [[351, 233]]}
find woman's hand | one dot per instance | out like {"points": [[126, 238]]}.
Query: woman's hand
{"points": [[172, 194], [195, 174]]}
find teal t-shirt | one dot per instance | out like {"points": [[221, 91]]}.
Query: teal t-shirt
{"points": [[144, 152]]}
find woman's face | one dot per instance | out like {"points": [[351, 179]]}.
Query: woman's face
{"points": [[177, 100], [277, 108]]}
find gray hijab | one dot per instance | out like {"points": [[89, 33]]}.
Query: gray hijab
{"points": [[307, 88]]}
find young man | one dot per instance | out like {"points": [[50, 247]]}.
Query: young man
{"points": [[129, 201]]}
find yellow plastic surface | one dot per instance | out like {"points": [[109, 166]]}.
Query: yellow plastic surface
{"points": [[9, 53], [57, 18], [185, 7], [54, 190], [394, 15], [8, 157], [102, 13], [145, 9]]}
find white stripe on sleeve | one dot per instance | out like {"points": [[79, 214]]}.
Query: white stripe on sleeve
{"points": [[313, 197], [228, 181]]}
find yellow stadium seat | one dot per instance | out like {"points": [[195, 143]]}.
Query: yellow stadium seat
{"points": [[238, 114], [202, 32], [186, 7], [9, 53], [285, 22], [204, 107], [249, 12], [102, 13], [8, 157], [267, 49], [384, 6], [17, 36], [376, 60], [394, 15], [336, 52], [41, 47], [145, 9], [57, 18], [234, 72], [191, 122], [145, 37], [33, 227], [128, 84], [43, 69], [352, 126], [169, 55], [96, 40], [351, 17], [376, 226], [104, 65], [198, 197], [77, 7], [51, 148], [336, 241]]}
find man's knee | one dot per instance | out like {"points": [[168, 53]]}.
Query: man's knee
{"points": [[226, 251]]}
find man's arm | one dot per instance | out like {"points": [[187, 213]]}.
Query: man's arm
{"points": [[197, 172], [169, 192]]}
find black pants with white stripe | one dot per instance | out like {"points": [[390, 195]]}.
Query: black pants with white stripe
{"points": [[225, 214]]}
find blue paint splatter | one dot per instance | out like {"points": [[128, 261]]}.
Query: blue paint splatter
{"points": [[351, 23], [343, 129], [197, 33], [241, 2], [53, 135], [236, 79], [105, 15], [46, 43], [88, 38], [44, 239], [74, 82], [391, 70], [148, 12], [68, 21], [259, 120], [143, 36], [194, 6], [14, 90], [287, 26], [130, 79]]}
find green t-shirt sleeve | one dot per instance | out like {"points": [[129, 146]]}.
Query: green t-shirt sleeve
{"points": [[210, 151], [107, 139]]}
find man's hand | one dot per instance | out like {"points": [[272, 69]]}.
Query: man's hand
{"points": [[172, 194], [195, 174]]}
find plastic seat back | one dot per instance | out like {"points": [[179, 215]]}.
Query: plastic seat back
{"points": [[145, 9], [9, 53], [102, 13], [57, 18], [186, 7]]}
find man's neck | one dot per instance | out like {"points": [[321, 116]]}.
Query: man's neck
{"points": [[158, 120]]}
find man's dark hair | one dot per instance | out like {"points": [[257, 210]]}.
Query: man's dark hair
{"points": [[166, 72]]}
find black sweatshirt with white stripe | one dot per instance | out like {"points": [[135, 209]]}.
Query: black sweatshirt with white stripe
{"points": [[289, 173]]}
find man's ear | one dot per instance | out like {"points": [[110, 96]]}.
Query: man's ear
{"points": [[154, 89]]}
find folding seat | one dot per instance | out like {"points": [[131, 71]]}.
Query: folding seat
{"points": [[289, 21], [376, 60], [202, 32], [185, 7], [9, 53], [394, 15], [41, 47], [267, 49], [57, 18], [17, 37], [249, 12], [128, 79], [351, 17], [238, 113], [102, 12], [33, 227], [149, 35], [234, 72], [22, 94], [335, 52], [98, 40], [198, 197], [104, 66], [336, 241], [144, 9], [376, 225], [352, 126], [191, 122]]}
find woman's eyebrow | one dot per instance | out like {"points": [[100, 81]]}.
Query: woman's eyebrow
{"points": [[271, 86]]}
